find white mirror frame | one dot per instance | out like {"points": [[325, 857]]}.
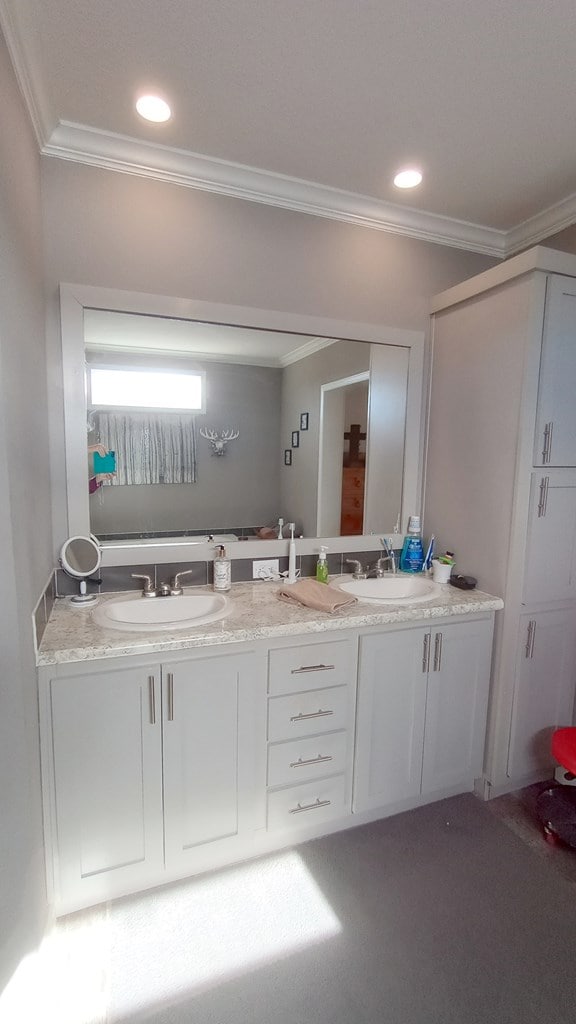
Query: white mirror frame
{"points": [[74, 299]]}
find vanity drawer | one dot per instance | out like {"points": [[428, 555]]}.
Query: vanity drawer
{"points": [[305, 714], [306, 758], [310, 804], [332, 663]]}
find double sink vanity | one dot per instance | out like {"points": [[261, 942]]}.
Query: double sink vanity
{"points": [[170, 748]]}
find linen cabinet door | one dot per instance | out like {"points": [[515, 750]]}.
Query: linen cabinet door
{"points": [[106, 739], [555, 439], [390, 717], [456, 705], [543, 688], [550, 573], [210, 754]]}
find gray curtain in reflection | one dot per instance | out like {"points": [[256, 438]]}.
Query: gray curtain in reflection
{"points": [[151, 448]]}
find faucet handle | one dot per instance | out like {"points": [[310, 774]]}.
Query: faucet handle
{"points": [[175, 588], [149, 590], [358, 572]]}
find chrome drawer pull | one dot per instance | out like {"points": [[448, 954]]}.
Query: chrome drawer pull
{"points": [[312, 668], [152, 699], [547, 448], [543, 496], [312, 714], [530, 638], [426, 653], [170, 697], [309, 807], [311, 760], [438, 652]]}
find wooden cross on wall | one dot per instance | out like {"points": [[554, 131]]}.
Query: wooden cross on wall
{"points": [[353, 457]]}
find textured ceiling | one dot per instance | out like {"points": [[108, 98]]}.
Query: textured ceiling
{"points": [[480, 93]]}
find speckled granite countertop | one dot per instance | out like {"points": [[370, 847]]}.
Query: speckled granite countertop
{"points": [[255, 613]]}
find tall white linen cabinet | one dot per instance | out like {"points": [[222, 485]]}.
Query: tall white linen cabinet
{"points": [[501, 489]]}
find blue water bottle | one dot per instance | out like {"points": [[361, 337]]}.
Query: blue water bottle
{"points": [[412, 557]]}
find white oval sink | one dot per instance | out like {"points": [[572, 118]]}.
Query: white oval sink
{"points": [[392, 589], [139, 614]]}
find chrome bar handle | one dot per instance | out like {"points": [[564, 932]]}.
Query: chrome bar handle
{"points": [[313, 714], [547, 447], [310, 807], [311, 760], [170, 696], [542, 504], [312, 668], [426, 653], [438, 652], [152, 699], [530, 638]]}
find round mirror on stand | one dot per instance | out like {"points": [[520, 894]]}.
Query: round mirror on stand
{"points": [[80, 558]]}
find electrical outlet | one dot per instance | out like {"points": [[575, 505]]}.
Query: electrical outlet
{"points": [[265, 568]]}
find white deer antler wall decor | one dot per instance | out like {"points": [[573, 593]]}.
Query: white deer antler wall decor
{"points": [[219, 441]]}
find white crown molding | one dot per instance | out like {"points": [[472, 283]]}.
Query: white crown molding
{"points": [[544, 224], [82, 144], [25, 70], [308, 349]]}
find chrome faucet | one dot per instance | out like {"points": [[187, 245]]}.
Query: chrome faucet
{"points": [[358, 572], [172, 589]]}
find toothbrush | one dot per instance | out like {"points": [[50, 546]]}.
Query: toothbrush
{"points": [[429, 553]]}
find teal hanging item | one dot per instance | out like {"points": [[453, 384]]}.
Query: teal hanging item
{"points": [[105, 463]]}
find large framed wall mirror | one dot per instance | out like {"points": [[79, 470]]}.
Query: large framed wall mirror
{"points": [[179, 416]]}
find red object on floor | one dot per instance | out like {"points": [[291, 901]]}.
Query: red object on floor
{"points": [[564, 748]]}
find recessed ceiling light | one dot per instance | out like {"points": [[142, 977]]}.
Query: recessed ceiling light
{"points": [[408, 178], [153, 108]]}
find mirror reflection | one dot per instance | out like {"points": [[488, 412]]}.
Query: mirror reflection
{"points": [[201, 430]]}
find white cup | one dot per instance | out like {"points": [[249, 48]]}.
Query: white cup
{"points": [[440, 571]]}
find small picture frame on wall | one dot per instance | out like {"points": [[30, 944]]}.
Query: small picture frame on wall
{"points": [[295, 438], [287, 457], [303, 421]]}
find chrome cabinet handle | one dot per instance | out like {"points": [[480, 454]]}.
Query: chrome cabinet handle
{"points": [[438, 652], [530, 638], [170, 697], [547, 446], [312, 714], [311, 760], [543, 503], [426, 653], [309, 807], [312, 668], [152, 699]]}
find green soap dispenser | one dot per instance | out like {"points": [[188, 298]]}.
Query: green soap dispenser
{"points": [[322, 566]]}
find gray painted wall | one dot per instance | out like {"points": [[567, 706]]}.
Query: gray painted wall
{"points": [[120, 231], [25, 527]]}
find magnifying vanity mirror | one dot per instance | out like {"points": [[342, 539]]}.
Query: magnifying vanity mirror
{"points": [[311, 421], [80, 558]]}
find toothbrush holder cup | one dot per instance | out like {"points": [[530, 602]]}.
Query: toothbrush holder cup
{"points": [[441, 572]]}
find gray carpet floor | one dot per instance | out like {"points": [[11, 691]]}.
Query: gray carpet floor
{"points": [[446, 916]]}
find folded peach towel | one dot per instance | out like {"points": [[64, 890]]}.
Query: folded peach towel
{"points": [[321, 596]]}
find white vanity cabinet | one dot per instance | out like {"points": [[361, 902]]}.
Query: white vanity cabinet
{"points": [[501, 488], [150, 771], [422, 700], [311, 707]]}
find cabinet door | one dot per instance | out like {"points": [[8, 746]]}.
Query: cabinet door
{"points": [[106, 735], [550, 573], [543, 688], [456, 704], [210, 752], [555, 440], [390, 717]]}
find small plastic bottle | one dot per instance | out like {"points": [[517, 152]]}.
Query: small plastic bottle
{"points": [[222, 569], [322, 566], [412, 557]]}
